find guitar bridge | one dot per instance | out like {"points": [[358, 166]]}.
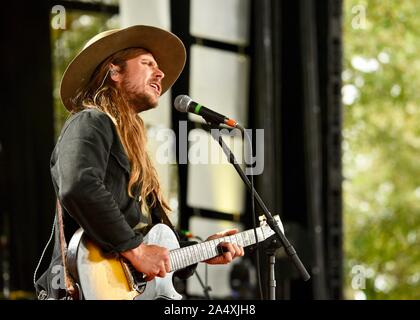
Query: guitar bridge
{"points": [[135, 278]]}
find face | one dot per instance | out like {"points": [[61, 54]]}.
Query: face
{"points": [[140, 81]]}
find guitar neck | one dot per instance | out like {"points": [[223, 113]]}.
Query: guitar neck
{"points": [[184, 257]]}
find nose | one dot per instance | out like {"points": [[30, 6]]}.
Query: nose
{"points": [[159, 73]]}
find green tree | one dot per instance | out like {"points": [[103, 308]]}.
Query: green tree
{"points": [[381, 148], [66, 43]]}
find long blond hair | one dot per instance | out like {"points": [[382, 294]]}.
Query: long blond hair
{"points": [[102, 93]]}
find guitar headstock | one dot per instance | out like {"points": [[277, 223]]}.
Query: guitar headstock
{"points": [[266, 229]]}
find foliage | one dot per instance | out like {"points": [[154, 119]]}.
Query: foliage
{"points": [[381, 148], [66, 43]]}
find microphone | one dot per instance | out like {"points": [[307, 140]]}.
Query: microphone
{"points": [[184, 103]]}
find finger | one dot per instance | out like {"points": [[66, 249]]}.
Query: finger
{"points": [[164, 268], [149, 277], [167, 266], [227, 257], [229, 232], [237, 250], [162, 272], [228, 247]]}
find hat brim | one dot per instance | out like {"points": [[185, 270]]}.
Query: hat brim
{"points": [[167, 49]]}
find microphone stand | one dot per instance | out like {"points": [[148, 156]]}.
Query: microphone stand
{"points": [[291, 252], [205, 287]]}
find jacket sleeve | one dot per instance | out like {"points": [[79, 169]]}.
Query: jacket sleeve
{"points": [[82, 158]]}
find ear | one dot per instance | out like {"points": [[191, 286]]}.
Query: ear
{"points": [[114, 72]]}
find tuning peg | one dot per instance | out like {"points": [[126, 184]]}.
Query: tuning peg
{"points": [[262, 218]]}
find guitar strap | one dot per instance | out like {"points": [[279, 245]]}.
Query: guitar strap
{"points": [[160, 214], [71, 288]]}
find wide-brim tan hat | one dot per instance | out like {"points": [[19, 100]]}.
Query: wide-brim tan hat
{"points": [[167, 49]]}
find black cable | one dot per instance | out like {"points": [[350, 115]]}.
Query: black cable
{"points": [[254, 224], [232, 159]]}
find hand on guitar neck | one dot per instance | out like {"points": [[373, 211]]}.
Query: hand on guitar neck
{"points": [[153, 261], [230, 250]]}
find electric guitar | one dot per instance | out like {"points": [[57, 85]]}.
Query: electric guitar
{"points": [[103, 277]]}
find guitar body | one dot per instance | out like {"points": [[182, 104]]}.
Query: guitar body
{"points": [[102, 277]]}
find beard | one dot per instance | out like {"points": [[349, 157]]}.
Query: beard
{"points": [[139, 100]]}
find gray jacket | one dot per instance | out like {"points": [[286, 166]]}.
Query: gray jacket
{"points": [[90, 172]]}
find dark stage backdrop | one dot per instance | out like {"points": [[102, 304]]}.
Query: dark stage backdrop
{"points": [[296, 99], [26, 138]]}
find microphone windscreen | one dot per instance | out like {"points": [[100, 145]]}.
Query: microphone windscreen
{"points": [[182, 102]]}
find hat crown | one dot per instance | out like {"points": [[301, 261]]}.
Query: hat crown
{"points": [[99, 36]]}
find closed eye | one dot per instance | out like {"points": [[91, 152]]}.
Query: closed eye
{"points": [[150, 63]]}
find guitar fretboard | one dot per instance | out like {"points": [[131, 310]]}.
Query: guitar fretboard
{"points": [[184, 257]]}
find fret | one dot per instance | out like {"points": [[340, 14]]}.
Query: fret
{"points": [[241, 239], [200, 252], [172, 261], [214, 248], [232, 239], [236, 238], [260, 235], [192, 255], [178, 259], [252, 236], [209, 250], [204, 251], [181, 255], [196, 254], [222, 240], [189, 255], [263, 235], [246, 238], [211, 247], [177, 263], [216, 245]]}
